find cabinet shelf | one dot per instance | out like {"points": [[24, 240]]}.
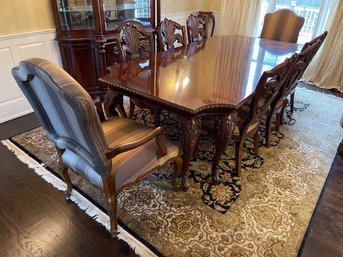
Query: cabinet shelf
{"points": [[85, 30]]}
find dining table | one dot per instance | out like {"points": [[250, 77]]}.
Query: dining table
{"points": [[210, 78]]}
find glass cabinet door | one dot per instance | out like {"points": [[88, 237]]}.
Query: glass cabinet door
{"points": [[76, 14], [116, 11]]}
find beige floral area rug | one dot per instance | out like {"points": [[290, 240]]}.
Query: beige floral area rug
{"points": [[264, 213]]}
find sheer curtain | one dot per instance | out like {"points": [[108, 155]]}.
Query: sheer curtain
{"points": [[326, 69], [239, 17]]}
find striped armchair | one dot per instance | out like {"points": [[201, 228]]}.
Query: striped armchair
{"points": [[282, 25], [111, 155]]}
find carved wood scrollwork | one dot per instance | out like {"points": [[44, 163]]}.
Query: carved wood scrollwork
{"points": [[197, 28], [190, 132], [169, 36], [135, 42], [225, 127], [113, 102]]}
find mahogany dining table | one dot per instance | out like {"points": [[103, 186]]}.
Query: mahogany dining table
{"points": [[212, 77]]}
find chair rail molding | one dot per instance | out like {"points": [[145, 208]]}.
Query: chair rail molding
{"points": [[13, 49]]}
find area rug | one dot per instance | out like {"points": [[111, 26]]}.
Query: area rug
{"points": [[264, 213]]}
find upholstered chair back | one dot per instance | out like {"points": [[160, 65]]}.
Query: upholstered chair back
{"points": [[282, 25], [65, 111]]}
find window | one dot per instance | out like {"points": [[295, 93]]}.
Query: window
{"points": [[142, 9], [314, 11]]}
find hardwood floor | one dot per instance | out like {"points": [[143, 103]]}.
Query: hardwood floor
{"points": [[36, 220]]}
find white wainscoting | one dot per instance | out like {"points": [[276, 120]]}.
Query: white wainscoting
{"points": [[13, 49]]}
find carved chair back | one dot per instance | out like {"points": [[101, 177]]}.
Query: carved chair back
{"points": [[210, 20], [171, 34], [298, 69], [197, 28], [282, 25], [267, 89], [133, 41], [321, 38]]}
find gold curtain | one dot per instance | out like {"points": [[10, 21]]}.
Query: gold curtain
{"points": [[326, 69], [239, 17]]}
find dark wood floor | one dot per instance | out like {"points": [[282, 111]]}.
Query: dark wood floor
{"points": [[36, 220]]}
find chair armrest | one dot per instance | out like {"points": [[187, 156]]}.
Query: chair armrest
{"points": [[115, 150]]}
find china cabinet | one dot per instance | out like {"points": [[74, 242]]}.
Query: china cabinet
{"points": [[85, 33]]}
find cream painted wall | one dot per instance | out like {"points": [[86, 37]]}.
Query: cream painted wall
{"points": [[21, 16], [210, 5], [179, 6]]}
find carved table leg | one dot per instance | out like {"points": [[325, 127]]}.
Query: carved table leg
{"points": [[113, 102], [225, 126], [190, 133]]}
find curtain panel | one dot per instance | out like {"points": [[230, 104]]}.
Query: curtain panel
{"points": [[326, 69], [239, 17]]}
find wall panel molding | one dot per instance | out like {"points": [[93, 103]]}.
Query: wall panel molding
{"points": [[13, 49]]}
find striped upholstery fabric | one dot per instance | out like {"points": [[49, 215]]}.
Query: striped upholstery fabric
{"points": [[282, 25], [118, 131], [68, 115], [66, 109], [112, 155]]}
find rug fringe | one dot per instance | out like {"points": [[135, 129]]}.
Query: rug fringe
{"points": [[82, 202]]}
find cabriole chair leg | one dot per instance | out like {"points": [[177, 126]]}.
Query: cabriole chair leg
{"points": [[256, 143], [65, 174], [111, 198], [292, 102], [132, 109], [177, 171], [68, 182], [238, 156]]}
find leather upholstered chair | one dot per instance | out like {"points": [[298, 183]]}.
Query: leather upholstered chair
{"points": [[111, 155], [170, 34], [133, 42], [197, 28], [282, 25]]}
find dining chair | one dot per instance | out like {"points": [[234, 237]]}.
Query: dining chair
{"points": [[210, 20], [248, 121], [321, 39], [112, 155], [282, 25], [197, 28], [170, 34], [133, 42]]}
